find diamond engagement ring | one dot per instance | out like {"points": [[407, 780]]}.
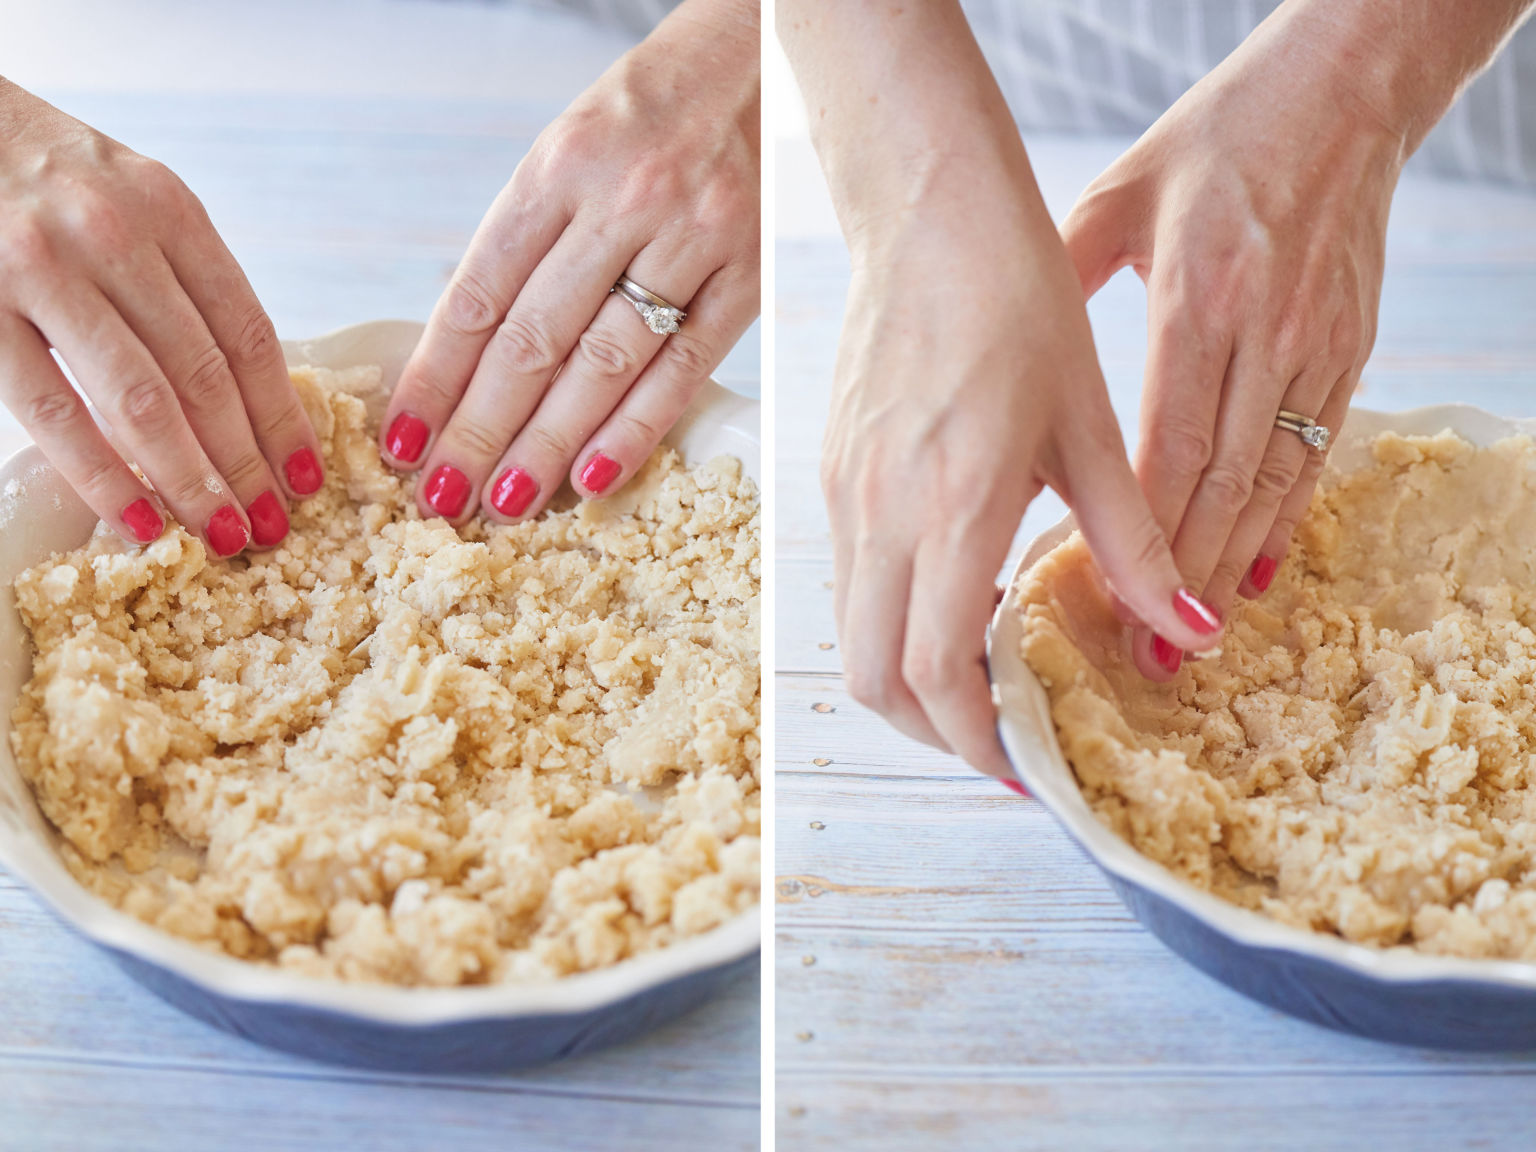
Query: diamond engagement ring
{"points": [[659, 316], [1313, 434]]}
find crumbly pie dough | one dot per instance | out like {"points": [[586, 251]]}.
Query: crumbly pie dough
{"points": [[390, 751], [1360, 759]]}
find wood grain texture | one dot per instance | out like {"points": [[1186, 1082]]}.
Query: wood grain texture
{"points": [[951, 971], [344, 201]]}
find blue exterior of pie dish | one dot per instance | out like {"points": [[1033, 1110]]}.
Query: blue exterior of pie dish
{"points": [[1396, 995], [476, 1029]]}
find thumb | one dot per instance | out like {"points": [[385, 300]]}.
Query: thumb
{"points": [[1125, 538], [1097, 235]]}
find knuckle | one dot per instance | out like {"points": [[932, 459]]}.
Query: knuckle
{"points": [[1181, 448], [1274, 479], [926, 671], [1229, 573], [53, 411], [148, 402], [190, 490], [872, 687], [477, 441], [208, 383], [255, 338], [247, 470], [609, 359], [634, 429], [1229, 485], [552, 443], [100, 477], [26, 247], [526, 347], [470, 307], [688, 356]]}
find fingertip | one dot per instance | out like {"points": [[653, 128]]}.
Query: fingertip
{"points": [[598, 475]]}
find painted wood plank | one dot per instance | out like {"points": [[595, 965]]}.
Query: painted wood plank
{"points": [[1327, 1112], [48, 1105]]}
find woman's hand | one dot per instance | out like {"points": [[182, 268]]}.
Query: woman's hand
{"points": [[107, 257], [1256, 212], [966, 376], [652, 173]]}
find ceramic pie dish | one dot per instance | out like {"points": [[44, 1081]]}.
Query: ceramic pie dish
{"points": [[464, 1029], [1397, 995]]}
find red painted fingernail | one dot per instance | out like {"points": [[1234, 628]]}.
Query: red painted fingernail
{"points": [[303, 472], [407, 437], [1166, 654], [1015, 786], [143, 521], [269, 523], [599, 473], [226, 531], [1201, 617], [513, 492], [448, 491], [1262, 571]]}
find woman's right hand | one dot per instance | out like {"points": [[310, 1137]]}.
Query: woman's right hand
{"points": [[967, 381], [106, 257]]}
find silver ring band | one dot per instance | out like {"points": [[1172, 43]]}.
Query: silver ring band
{"points": [[660, 317], [1312, 434]]}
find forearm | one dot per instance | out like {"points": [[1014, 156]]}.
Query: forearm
{"points": [[903, 109], [1401, 63]]}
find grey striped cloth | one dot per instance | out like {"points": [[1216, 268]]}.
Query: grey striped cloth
{"points": [[1090, 66]]}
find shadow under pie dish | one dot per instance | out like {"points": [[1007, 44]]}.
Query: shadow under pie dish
{"points": [[1330, 816], [535, 911]]}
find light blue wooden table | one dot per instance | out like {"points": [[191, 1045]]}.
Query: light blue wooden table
{"points": [[951, 972], [346, 151]]}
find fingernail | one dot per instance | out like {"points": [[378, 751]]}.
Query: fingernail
{"points": [[303, 472], [1016, 787], [269, 523], [1262, 571], [1166, 654], [599, 473], [143, 521], [448, 491], [407, 437], [1200, 617], [226, 531], [513, 491]]}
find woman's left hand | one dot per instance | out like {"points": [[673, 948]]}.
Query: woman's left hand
{"points": [[530, 369], [1256, 212]]}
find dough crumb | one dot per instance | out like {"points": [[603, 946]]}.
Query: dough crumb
{"points": [[390, 751]]}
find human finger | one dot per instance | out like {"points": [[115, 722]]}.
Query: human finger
{"points": [[1285, 456], [131, 391], [558, 302], [610, 353], [153, 303], [1277, 541], [1125, 538], [223, 297], [944, 652], [517, 234], [37, 394], [721, 310], [873, 636]]}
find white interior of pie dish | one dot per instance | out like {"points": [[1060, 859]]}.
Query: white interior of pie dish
{"points": [[1029, 735], [40, 514]]}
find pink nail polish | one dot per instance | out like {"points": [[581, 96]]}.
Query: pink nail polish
{"points": [[513, 491], [1015, 786], [303, 472], [269, 523], [143, 521], [1201, 617], [1166, 654], [407, 437], [447, 491], [226, 531], [1262, 571], [599, 473]]}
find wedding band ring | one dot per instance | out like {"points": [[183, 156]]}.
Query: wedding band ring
{"points": [[660, 317], [1312, 434]]}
